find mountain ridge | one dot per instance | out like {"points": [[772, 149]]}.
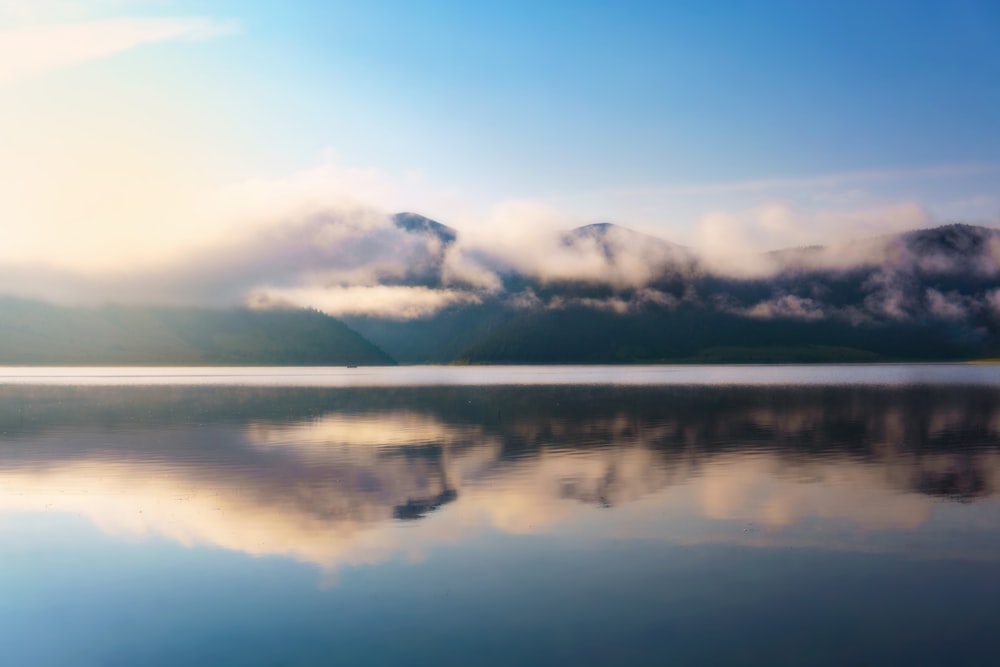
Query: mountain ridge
{"points": [[39, 333], [928, 294]]}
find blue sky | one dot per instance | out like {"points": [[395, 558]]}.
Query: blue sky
{"points": [[674, 118], [585, 94]]}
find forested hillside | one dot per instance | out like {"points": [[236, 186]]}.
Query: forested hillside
{"points": [[32, 332]]}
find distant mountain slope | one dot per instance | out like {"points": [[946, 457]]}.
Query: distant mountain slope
{"points": [[424, 257], [414, 222], [436, 339], [654, 335], [598, 293], [42, 334], [930, 294]]}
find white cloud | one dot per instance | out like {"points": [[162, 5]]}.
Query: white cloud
{"points": [[530, 238], [787, 306], [946, 306], [53, 11], [308, 191], [321, 237], [34, 49], [732, 241], [390, 301]]}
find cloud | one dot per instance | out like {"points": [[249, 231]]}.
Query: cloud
{"points": [[341, 262], [356, 261], [946, 306], [34, 49], [787, 306], [346, 260], [330, 185], [631, 302], [322, 238], [734, 243], [315, 190], [52, 11], [532, 239], [386, 301], [324, 252]]}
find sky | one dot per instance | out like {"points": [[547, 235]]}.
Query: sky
{"points": [[134, 132]]}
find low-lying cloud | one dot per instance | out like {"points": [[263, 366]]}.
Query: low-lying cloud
{"points": [[354, 260], [398, 302], [349, 261], [537, 242]]}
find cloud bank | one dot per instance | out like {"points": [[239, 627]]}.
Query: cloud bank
{"points": [[35, 49], [314, 239], [362, 262]]}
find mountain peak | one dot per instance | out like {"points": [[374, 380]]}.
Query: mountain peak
{"points": [[596, 228], [599, 230], [955, 238], [627, 249], [414, 222], [609, 232]]}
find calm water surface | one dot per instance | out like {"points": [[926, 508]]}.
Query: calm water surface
{"points": [[832, 515]]}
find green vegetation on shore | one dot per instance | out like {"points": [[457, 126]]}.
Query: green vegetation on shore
{"points": [[34, 333]]}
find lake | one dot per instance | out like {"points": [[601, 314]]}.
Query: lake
{"points": [[684, 515]]}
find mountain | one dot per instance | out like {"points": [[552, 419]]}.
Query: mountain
{"points": [[439, 338], [628, 256], [954, 248], [424, 255], [956, 242], [416, 223], [32, 332], [581, 334], [600, 293], [930, 294], [620, 246]]}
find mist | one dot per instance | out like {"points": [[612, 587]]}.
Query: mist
{"points": [[358, 261]]}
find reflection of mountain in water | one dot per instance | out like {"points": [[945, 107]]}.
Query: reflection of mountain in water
{"points": [[324, 474], [418, 508], [963, 480]]}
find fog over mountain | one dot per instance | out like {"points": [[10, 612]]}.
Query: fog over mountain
{"points": [[607, 293], [413, 270], [422, 291]]}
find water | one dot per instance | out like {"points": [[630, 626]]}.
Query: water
{"points": [[422, 376], [499, 516]]}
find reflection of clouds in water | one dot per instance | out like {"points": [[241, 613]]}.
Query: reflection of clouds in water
{"points": [[347, 520], [759, 489], [344, 515], [387, 429], [332, 490], [125, 500]]}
